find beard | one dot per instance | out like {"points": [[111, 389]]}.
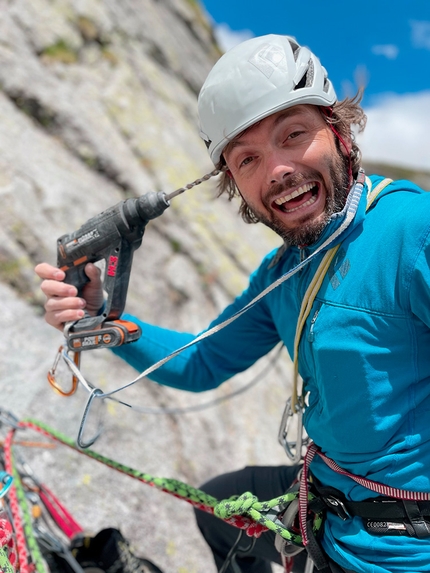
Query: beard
{"points": [[309, 229]]}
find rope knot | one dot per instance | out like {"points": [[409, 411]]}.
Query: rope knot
{"points": [[237, 505]]}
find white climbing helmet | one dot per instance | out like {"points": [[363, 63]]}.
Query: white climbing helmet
{"points": [[254, 80]]}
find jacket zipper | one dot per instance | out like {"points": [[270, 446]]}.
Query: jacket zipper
{"points": [[311, 334]]}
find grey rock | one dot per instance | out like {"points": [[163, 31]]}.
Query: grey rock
{"points": [[98, 103]]}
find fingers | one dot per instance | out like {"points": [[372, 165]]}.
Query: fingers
{"points": [[62, 303], [47, 271], [93, 273], [57, 288], [93, 291], [62, 310]]}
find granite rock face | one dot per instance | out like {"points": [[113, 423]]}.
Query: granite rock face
{"points": [[98, 103]]}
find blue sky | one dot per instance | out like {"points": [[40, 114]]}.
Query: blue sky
{"points": [[384, 44]]}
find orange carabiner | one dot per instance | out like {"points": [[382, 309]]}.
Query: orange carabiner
{"points": [[51, 374]]}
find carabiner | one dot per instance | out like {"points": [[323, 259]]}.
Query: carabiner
{"points": [[6, 480], [96, 393], [51, 374], [293, 448]]}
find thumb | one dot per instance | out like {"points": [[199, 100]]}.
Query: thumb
{"points": [[93, 273]]}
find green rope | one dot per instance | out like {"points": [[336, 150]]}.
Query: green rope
{"points": [[246, 505], [5, 565]]}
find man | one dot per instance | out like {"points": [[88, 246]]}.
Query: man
{"points": [[271, 121]]}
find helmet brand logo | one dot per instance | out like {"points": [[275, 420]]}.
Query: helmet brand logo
{"points": [[269, 59]]}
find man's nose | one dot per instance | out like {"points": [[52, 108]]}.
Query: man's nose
{"points": [[278, 169]]}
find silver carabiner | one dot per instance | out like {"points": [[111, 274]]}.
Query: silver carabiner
{"points": [[292, 447]]}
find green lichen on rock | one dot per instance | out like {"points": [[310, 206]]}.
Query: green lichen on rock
{"points": [[59, 52]]}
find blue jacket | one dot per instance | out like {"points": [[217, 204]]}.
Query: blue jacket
{"points": [[364, 357]]}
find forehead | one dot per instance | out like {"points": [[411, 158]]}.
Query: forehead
{"points": [[297, 112]]}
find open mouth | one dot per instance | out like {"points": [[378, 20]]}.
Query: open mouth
{"points": [[301, 198]]}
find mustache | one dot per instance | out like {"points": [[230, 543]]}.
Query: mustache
{"points": [[290, 182]]}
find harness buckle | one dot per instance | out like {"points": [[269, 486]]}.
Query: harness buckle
{"points": [[337, 506]]}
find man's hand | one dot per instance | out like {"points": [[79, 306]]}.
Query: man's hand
{"points": [[62, 303]]}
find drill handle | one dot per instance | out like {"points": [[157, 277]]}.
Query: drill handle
{"points": [[118, 260], [76, 276]]}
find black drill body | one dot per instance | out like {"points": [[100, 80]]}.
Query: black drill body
{"points": [[112, 236]]}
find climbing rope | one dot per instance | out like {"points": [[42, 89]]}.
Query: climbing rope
{"points": [[244, 511]]}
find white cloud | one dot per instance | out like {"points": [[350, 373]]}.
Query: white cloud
{"points": [[390, 51], [228, 38], [420, 34], [398, 130]]}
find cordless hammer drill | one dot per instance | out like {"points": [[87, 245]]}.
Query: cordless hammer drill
{"points": [[113, 235]]}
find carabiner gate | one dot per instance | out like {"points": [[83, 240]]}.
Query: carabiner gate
{"points": [[51, 374]]}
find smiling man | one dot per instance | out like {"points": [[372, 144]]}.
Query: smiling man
{"points": [[353, 274], [290, 173]]}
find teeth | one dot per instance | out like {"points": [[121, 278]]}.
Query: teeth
{"points": [[308, 202], [296, 193]]}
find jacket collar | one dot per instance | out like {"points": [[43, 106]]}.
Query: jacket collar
{"points": [[355, 205]]}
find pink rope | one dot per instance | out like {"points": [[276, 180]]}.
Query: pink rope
{"points": [[23, 558]]}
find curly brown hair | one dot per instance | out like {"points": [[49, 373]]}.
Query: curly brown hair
{"points": [[344, 115]]}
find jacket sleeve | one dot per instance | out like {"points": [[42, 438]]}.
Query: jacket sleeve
{"points": [[214, 359]]}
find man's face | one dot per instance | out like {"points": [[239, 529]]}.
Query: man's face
{"points": [[290, 173]]}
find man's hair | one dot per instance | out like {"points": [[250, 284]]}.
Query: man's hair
{"points": [[342, 116]]}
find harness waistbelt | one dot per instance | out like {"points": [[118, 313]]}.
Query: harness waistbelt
{"points": [[381, 515]]}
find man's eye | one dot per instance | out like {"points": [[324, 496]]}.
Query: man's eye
{"points": [[294, 134], [245, 161]]}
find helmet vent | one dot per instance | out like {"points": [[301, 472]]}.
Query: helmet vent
{"points": [[295, 48], [308, 77], [326, 86]]}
